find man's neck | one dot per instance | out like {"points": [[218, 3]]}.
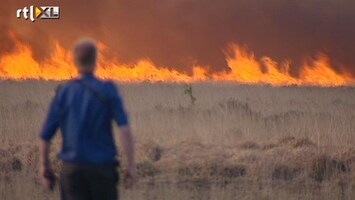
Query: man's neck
{"points": [[83, 75]]}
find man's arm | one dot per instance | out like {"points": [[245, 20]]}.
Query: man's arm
{"points": [[49, 129], [45, 171], [128, 146], [120, 116], [44, 147]]}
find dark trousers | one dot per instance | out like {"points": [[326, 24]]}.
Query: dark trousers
{"points": [[89, 182]]}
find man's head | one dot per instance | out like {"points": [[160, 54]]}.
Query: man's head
{"points": [[85, 54]]}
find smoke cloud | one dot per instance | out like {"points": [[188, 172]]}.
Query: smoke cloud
{"points": [[180, 33]]}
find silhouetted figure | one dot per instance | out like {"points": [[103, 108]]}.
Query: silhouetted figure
{"points": [[83, 109]]}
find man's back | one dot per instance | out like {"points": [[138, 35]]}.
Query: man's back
{"points": [[83, 108]]}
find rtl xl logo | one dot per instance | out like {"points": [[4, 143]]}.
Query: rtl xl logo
{"points": [[42, 12]]}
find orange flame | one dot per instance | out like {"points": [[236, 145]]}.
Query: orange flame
{"points": [[244, 68]]}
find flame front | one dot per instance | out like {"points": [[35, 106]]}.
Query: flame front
{"points": [[244, 68]]}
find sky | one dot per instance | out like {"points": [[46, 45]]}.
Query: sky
{"points": [[181, 33]]}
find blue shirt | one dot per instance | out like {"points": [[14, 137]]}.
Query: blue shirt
{"points": [[83, 109]]}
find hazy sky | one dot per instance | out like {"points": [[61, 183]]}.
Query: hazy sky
{"points": [[180, 33]]}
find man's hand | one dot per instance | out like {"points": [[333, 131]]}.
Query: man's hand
{"points": [[130, 177], [47, 177]]}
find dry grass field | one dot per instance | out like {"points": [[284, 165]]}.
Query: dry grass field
{"points": [[234, 142]]}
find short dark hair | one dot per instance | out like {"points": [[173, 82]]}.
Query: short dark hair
{"points": [[85, 53]]}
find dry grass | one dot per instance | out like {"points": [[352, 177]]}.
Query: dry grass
{"points": [[235, 141]]}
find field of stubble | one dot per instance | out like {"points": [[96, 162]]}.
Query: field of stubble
{"points": [[234, 142]]}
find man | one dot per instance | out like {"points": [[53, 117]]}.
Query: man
{"points": [[83, 109]]}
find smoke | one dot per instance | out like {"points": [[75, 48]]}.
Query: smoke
{"points": [[180, 33]]}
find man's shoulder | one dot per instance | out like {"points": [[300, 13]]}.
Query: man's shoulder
{"points": [[67, 84], [64, 86], [110, 84], [110, 88], [105, 84], [107, 88]]}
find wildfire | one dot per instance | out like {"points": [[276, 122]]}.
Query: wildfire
{"points": [[244, 68]]}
